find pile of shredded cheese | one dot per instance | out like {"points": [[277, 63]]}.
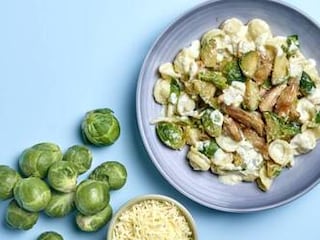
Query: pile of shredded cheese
{"points": [[152, 220]]}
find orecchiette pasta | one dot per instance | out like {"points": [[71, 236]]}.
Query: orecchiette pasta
{"points": [[281, 152], [161, 91], [197, 160]]}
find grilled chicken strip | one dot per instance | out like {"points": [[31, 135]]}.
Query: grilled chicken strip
{"points": [[270, 98], [249, 119], [258, 142], [287, 98], [264, 70], [232, 129]]}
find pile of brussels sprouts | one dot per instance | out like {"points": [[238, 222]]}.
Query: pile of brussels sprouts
{"points": [[47, 180]]}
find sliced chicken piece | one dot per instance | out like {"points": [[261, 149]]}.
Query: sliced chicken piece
{"points": [[287, 98], [249, 119], [258, 142], [270, 98], [264, 69], [232, 129]]}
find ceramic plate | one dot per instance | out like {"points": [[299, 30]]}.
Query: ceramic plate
{"points": [[204, 187]]}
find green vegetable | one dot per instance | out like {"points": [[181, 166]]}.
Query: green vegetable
{"points": [[36, 160], [94, 222], [277, 128], [50, 235], [100, 127], [317, 118], [280, 71], [208, 50], [210, 121], [306, 84], [209, 148], [8, 179], [251, 98], [62, 176], [91, 196], [233, 72], [112, 172], [292, 45], [18, 218], [80, 156], [60, 204], [174, 87], [249, 63], [170, 134], [214, 77], [32, 194], [293, 40], [273, 169], [267, 84]]}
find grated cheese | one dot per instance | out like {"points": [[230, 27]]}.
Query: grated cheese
{"points": [[152, 219]]}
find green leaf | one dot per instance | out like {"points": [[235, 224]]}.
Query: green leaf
{"points": [[306, 84]]}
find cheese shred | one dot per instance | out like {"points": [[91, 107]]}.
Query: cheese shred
{"points": [[152, 219]]}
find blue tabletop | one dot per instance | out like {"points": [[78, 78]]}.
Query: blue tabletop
{"points": [[59, 59]]}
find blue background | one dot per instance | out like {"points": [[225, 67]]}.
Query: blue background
{"points": [[59, 59]]}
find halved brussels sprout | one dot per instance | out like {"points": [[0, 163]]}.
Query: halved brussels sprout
{"points": [[212, 121], [249, 63], [280, 71], [60, 204], [92, 223], [32, 194], [36, 160], [232, 71], [100, 127], [170, 134], [251, 97], [210, 43], [214, 77], [205, 90], [80, 156], [91, 196], [277, 128], [8, 179], [18, 218], [62, 176], [112, 172], [50, 235]]}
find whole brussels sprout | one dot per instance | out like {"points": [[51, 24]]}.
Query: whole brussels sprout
{"points": [[80, 156], [50, 235], [18, 218], [8, 179], [36, 160], [91, 196], [100, 127], [62, 176], [112, 172], [32, 194], [92, 223], [60, 204]]}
